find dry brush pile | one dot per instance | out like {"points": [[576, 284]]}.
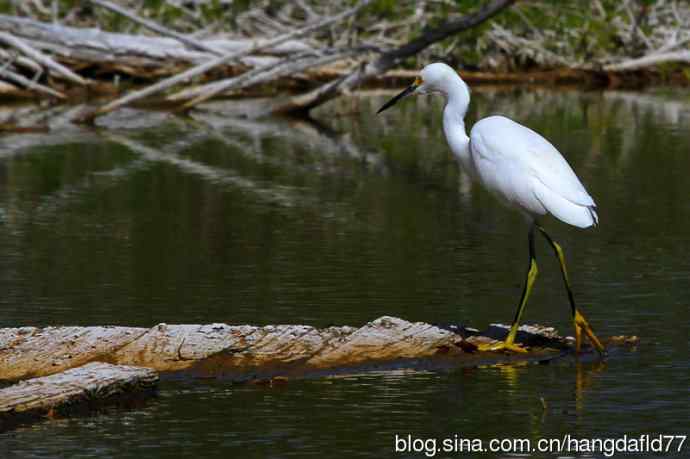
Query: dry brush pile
{"points": [[184, 52]]}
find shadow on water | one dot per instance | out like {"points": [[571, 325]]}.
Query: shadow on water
{"points": [[228, 219]]}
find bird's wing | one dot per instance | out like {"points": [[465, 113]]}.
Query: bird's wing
{"points": [[534, 154]]}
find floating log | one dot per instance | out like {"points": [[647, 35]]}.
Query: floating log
{"points": [[246, 352], [77, 390], [30, 352]]}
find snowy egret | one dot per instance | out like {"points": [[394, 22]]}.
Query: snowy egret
{"points": [[522, 169]]}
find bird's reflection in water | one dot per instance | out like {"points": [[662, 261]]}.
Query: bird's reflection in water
{"points": [[585, 375]]}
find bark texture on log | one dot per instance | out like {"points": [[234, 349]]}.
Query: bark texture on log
{"points": [[77, 390], [28, 352], [245, 352]]}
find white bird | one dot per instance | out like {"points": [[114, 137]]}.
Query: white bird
{"points": [[522, 169]]}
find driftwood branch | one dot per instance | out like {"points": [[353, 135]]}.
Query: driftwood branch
{"points": [[189, 41], [649, 60], [20, 61], [37, 56], [264, 74], [205, 67], [98, 46], [328, 91], [7, 73], [205, 92]]}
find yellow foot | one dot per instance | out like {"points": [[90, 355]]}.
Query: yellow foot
{"points": [[502, 346], [581, 325]]}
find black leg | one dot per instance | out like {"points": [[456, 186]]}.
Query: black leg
{"points": [[532, 271]]}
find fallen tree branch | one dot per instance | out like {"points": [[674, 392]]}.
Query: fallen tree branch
{"points": [[206, 91], [99, 47], [328, 91], [29, 84], [21, 61], [648, 61], [203, 68], [260, 75], [189, 41], [41, 58]]}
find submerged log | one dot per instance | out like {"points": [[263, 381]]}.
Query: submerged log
{"points": [[246, 352], [78, 390]]}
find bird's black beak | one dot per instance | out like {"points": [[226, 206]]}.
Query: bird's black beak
{"points": [[409, 90]]}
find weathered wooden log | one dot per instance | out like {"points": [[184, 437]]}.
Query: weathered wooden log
{"points": [[78, 390], [649, 60], [246, 352], [151, 25], [58, 69], [100, 47], [29, 352]]}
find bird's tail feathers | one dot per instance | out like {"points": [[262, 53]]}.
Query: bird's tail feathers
{"points": [[564, 209], [593, 214]]}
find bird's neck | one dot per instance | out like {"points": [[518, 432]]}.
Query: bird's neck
{"points": [[458, 99]]}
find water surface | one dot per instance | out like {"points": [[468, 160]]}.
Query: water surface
{"points": [[340, 222]]}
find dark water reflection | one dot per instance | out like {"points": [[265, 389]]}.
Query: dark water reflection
{"points": [[286, 222]]}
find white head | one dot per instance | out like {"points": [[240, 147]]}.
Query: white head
{"points": [[436, 78]]}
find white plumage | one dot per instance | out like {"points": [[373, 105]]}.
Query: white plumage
{"points": [[524, 170], [520, 167]]}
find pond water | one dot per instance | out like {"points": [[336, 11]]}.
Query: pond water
{"points": [[157, 219]]}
